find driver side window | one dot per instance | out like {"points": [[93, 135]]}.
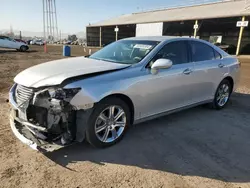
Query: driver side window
{"points": [[177, 52]]}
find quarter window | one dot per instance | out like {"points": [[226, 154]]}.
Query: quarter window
{"points": [[201, 51], [217, 55], [175, 51]]}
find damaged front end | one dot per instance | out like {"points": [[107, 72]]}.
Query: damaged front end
{"points": [[44, 118]]}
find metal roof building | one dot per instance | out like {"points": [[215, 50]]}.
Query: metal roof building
{"points": [[211, 19]]}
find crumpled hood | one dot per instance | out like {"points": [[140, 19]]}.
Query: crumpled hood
{"points": [[55, 72]]}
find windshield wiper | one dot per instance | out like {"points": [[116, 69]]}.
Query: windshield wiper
{"points": [[109, 60], [112, 61], [102, 59]]}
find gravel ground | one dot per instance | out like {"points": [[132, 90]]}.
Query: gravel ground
{"points": [[198, 147]]}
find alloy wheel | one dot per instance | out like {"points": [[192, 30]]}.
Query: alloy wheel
{"points": [[110, 124], [223, 95]]}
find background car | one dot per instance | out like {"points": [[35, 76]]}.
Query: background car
{"points": [[67, 42], [28, 42], [37, 42], [7, 42]]}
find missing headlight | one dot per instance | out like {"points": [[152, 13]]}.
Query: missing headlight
{"points": [[58, 113], [62, 94]]}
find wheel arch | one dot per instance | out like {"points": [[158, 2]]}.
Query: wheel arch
{"points": [[23, 46], [230, 79], [127, 100]]}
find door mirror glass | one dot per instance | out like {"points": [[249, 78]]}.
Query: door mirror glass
{"points": [[162, 64]]}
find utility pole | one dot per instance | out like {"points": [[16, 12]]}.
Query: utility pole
{"points": [[116, 33], [44, 27], [100, 37], [56, 27], [47, 19], [240, 36], [50, 21], [50, 27], [196, 26], [44, 32], [52, 16]]}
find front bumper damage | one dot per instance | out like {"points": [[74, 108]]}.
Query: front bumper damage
{"points": [[24, 134], [37, 135]]}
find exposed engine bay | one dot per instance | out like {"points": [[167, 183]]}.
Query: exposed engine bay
{"points": [[48, 113], [50, 108]]}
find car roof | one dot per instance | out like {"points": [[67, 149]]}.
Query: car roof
{"points": [[165, 38], [161, 38]]}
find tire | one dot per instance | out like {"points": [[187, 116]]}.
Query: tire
{"points": [[95, 123], [23, 48], [221, 103]]}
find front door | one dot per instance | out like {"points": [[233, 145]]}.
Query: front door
{"points": [[170, 88]]}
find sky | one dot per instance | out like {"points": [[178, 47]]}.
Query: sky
{"points": [[73, 15]]}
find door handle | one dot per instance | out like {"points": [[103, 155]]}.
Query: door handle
{"points": [[187, 71], [221, 65]]}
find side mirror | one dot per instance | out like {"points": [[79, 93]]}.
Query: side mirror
{"points": [[162, 64]]}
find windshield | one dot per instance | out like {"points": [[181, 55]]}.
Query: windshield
{"points": [[125, 51]]}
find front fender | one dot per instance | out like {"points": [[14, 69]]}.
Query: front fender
{"points": [[89, 95]]}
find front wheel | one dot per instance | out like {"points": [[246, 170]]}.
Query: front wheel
{"points": [[23, 48], [108, 122], [222, 94]]}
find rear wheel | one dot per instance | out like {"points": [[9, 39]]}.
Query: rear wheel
{"points": [[222, 94], [108, 122]]}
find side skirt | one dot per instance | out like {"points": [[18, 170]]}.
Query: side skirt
{"points": [[170, 112]]}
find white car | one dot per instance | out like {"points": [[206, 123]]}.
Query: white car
{"points": [[37, 42], [7, 42]]}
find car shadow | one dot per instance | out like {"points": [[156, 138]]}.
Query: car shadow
{"points": [[2, 51], [195, 142]]}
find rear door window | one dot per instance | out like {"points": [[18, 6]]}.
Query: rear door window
{"points": [[201, 51]]}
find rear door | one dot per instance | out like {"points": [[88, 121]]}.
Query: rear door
{"points": [[208, 70], [3, 42], [10, 43]]}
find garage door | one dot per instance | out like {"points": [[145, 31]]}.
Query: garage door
{"points": [[150, 29]]}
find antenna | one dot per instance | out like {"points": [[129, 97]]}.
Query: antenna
{"points": [[50, 28]]}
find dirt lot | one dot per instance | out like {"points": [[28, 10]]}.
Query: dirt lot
{"points": [[199, 147]]}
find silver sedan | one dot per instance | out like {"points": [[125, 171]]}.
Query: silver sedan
{"points": [[98, 98]]}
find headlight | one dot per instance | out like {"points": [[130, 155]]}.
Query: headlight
{"points": [[62, 94]]}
